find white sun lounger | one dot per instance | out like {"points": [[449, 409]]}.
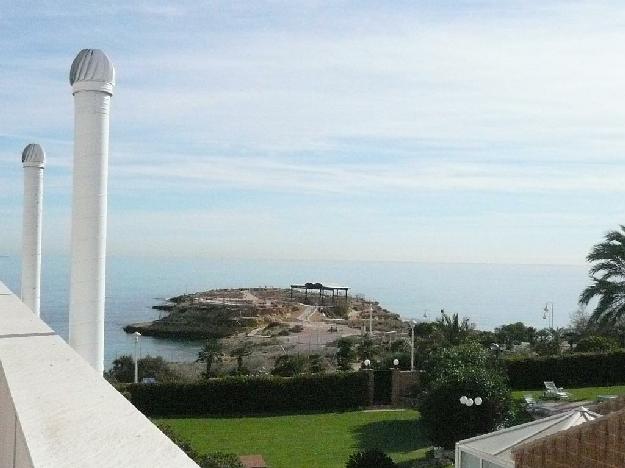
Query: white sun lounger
{"points": [[551, 391]]}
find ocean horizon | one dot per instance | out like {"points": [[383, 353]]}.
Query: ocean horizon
{"points": [[489, 294]]}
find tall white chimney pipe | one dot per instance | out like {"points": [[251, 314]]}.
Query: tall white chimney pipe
{"points": [[33, 160], [92, 77]]}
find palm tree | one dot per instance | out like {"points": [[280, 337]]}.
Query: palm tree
{"points": [[210, 353], [239, 353], [608, 279], [452, 330]]}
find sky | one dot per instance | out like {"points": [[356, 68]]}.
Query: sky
{"points": [[429, 131]]}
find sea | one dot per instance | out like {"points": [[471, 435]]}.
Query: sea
{"points": [[489, 294]]}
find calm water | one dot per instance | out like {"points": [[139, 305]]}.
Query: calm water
{"points": [[489, 294]]}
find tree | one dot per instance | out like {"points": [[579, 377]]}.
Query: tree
{"points": [[371, 458], [316, 364], [210, 353], [424, 329], [548, 341], [608, 279], [466, 370], [289, 365], [387, 361], [366, 349], [579, 324], [400, 346], [515, 333], [123, 369], [596, 344], [157, 368], [452, 330], [345, 354], [341, 310], [240, 352]]}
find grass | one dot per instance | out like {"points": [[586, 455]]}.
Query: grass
{"points": [[311, 440], [577, 394]]}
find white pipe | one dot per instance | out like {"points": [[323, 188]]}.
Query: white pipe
{"points": [[33, 160], [137, 335], [92, 77]]}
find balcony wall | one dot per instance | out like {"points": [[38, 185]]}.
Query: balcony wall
{"points": [[56, 411]]}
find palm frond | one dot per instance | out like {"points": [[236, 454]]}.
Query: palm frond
{"points": [[608, 279]]}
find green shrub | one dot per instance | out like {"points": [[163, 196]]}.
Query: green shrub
{"points": [[210, 460], [249, 395], [123, 369], [289, 365], [518, 414], [181, 443], [345, 354], [219, 460], [466, 370], [568, 370], [596, 344], [316, 364], [387, 361], [450, 359], [370, 459], [340, 310]]}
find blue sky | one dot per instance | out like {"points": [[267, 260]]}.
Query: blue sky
{"points": [[415, 131]]}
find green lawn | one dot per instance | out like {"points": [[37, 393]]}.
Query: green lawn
{"points": [[307, 441], [585, 393]]}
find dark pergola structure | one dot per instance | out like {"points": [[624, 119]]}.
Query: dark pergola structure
{"points": [[321, 288]]}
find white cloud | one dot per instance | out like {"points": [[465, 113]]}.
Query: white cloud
{"points": [[340, 100], [278, 174]]}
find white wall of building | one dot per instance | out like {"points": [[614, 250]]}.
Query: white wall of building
{"points": [[57, 411]]}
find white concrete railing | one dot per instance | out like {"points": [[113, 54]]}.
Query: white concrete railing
{"points": [[56, 411]]}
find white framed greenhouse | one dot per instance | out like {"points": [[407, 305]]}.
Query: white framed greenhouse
{"points": [[494, 450]]}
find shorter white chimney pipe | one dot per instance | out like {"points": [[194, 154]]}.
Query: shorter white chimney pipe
{"points": [[33, 160]]}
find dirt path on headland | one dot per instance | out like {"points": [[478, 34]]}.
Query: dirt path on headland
{"points": [[248, 296]]}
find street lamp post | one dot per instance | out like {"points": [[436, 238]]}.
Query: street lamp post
{"points": [[412, 325], [548, 312], [136, 335], [390, 338]]}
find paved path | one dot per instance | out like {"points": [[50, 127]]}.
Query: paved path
{"points": [[308, 311]]}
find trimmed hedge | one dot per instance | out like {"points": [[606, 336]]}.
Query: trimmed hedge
{"points": [[249, 395], [568, 370]]}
